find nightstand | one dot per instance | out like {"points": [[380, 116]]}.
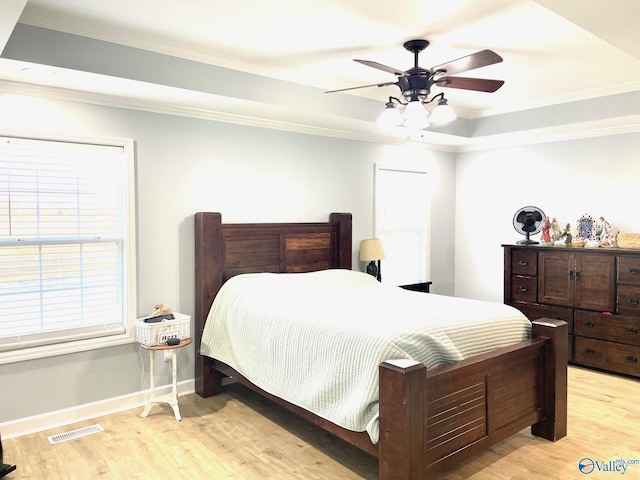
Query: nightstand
{"points": [[171, 398], [5, 468], [417, 287]]}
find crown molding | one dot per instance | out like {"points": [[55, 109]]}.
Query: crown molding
{"points": [[349, 129], [560, 99], [574, 131], [366, 131]]}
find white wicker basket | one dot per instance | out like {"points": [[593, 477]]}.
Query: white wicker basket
{"points": [[152, 334]]}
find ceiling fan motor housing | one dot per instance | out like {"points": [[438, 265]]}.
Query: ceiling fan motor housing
{"points": [[417, 81], [416, 85]]}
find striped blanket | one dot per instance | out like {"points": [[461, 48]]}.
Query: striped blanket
{"points": [[316, 339]]}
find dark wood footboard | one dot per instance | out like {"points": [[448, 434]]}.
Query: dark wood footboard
{"points": [[432, 420]]}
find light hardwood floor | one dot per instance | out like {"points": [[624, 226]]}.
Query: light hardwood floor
{"points": [[240, 435]]}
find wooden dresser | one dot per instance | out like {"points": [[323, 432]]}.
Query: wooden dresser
{"points": [[596, 291]]}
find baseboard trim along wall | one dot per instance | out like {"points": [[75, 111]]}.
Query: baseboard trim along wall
{"points": [[67, 416]]}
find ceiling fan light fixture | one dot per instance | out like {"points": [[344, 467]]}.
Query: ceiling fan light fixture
{"points": [[390, 116], [442, 113], [416, 82], [415, 115]]}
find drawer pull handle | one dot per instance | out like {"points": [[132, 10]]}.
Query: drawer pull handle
{"points": [[523, 288], [632, 331], [558, 317], [524, 263], [634, 271], [633, 301], [589, 351], [589, 324], [632, 359]]}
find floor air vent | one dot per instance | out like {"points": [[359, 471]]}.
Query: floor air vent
{"points": [[81, 432]]}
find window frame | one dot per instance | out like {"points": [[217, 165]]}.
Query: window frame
{"points": [[130, 257], [423, 233]]}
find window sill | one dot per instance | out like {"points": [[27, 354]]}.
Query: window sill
{"points": [[44, 351]]}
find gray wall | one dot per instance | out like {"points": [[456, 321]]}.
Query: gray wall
{"points": [[185, 165]]}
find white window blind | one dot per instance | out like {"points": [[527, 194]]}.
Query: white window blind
{"points": [[64, 220]]}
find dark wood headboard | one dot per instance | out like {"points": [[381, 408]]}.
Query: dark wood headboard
{"points": [[225, 250]]}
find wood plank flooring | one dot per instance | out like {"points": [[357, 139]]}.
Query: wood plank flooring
{"points": [[239, 435]]}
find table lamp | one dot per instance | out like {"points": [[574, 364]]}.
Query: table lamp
{"points": [[371, 251]]}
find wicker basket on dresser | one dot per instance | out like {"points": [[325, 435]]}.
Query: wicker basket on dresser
{"points": [[596, 291]]}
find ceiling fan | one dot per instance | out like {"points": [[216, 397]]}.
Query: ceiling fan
{"points": [[415, 83]]}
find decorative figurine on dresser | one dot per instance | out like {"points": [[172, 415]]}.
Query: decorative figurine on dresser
{"points": [[545, 235], [556, 233], [595, 290], [566, 235]]}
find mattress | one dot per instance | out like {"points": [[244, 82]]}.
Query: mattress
{"points": [[316, 339]]}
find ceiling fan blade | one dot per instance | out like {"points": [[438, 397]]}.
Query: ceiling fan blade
{"points": [[379, 66], [478, 84], [475, 60], [363, 86]]}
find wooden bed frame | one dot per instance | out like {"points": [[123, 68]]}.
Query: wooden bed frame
{"points": [[431, 420]]}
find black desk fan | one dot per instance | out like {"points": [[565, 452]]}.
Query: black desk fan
{"points": [[528, 221]]}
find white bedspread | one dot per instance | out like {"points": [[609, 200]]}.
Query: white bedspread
{"points": [[316, 339]]}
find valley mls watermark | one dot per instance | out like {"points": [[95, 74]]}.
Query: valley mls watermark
{"points": [[588, 466]]}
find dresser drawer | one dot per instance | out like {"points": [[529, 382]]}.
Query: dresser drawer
{"points": [[629, 270], [628, 300], [524, 262], [534, 311], [524, 289], [614, 328], [607, 355]]}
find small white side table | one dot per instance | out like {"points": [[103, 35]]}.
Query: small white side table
{"points": [[171, 398]]}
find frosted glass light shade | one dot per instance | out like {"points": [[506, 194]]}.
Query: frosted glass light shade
{"points": [[442, 114], [390, 117], [415, 115]]}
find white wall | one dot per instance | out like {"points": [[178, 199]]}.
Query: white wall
{"points": [[183, 166], [594, 176]]}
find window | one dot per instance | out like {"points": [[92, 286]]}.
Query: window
{"points": [[67, 265], [402, 214]]}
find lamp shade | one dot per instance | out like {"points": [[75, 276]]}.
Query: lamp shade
{"points": [[415, 115], [390, 116], [442, 114], [371, 249]]}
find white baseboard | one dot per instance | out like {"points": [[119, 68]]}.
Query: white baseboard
{"points": [[67, 416]]}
